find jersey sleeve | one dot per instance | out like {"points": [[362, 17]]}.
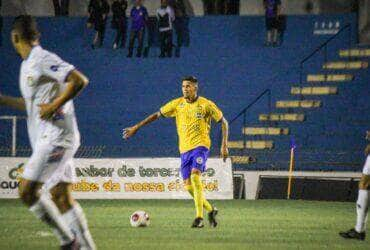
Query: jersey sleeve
{"points": [[55, 68], [169, 109], [214, 112]]}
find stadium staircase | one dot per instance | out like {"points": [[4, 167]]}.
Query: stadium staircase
{"points": [[262, 140]]}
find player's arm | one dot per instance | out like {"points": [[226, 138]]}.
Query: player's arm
{"points": [[75, 82], [217, 116], [128, 132], [367, 150], [13, 102], [168, 110], [225, 138]]}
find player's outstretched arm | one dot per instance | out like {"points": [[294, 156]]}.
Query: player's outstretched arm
{"points": [[75, 82], [13, 102], [129, 132], [225, 138]]}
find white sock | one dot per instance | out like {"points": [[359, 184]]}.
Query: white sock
{"points": [[46, 211], [361, 207], [76, 220]]}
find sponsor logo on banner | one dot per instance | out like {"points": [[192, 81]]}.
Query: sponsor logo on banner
{"points": [[146, 178], [326, 27], [9, 179]]}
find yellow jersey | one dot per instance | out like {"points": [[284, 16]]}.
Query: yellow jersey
{"points": [[193, 121]]}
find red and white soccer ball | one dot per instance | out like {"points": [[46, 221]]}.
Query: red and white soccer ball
{"points": [[139, 219]]}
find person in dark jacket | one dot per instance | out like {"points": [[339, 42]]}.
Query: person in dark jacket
{"points": [[165, 16], [179, 24], [1, 27], [98, 11], [119, 22], [61, 7], [139, 18], [272, 13]]}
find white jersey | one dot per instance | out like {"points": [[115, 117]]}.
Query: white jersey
{"points": [[42, 79], [166, 13], [366, 169]]}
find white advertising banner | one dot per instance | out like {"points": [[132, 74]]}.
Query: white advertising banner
{"points": [[131, 178]]}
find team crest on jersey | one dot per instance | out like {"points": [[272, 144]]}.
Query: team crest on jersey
{"points": [[30, 81], [199, 160], [198, 115], [54, 68]]}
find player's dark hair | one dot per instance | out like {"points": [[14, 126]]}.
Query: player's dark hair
{"points": [[191, 79], [26, 26]]}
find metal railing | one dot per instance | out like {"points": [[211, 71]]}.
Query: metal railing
{"points": [[244, 111], [325, 47], [14, 120]]}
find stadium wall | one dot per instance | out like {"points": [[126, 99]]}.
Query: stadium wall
{"points": [[233, 67], [273, 185]]}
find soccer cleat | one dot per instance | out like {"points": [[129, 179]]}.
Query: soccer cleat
{"points": [[74, 245], [197, 223], [212, 217], [353, 234]]}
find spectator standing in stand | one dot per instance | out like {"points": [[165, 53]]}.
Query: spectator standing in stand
{"points": [[119, 22], [165, 16], [272, 13], [139, 18], [1, 26], [98, 13], [61, 7]]}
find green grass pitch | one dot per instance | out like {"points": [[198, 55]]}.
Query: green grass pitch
{"points": [[262, 224]]}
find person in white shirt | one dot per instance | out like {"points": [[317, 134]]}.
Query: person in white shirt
{"points": [[165, 16], [48, 85], [362, 203]]}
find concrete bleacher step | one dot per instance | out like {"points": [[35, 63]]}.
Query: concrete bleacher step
{"points": [[299, 104], [346, 65], [291, 117], [251, 144], [265, 131], [326, 90], [242, 159], [330, 78], [354, 53]]}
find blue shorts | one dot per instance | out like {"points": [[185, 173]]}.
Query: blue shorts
{"points": [[195, 158]]}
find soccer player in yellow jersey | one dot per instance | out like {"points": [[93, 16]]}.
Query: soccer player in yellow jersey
{"points": [[193, 116]]}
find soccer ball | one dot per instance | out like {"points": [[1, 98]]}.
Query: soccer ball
{"points": [[139, 219]]}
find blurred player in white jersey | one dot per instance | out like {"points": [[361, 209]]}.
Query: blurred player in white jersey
{"points": [[362, 204], [48, 85]]}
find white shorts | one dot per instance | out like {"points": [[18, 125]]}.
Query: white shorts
{"points": [[50, 165], [366, 170]]}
